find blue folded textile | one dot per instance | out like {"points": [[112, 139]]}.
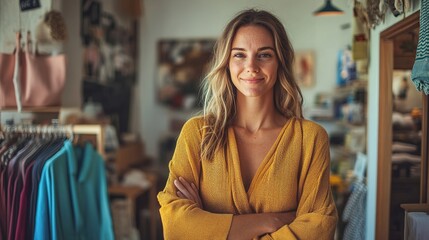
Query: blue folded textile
{"points": [[420, 72]]}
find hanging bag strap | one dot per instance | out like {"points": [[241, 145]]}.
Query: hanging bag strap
{"points": [[17, 73]]}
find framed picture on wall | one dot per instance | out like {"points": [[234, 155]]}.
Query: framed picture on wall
{"points": [[182, 64], [304, 68]]}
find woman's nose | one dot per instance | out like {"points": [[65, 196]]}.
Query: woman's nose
{"points": [[252, 65]]}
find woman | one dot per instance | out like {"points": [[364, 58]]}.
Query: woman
{"points": [[250, 166]]}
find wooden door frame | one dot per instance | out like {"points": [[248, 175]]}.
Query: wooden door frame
{"points": [[424, 180], [384, 163]]}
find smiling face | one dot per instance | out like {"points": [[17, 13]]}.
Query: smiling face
{"points": [[253, 62]]}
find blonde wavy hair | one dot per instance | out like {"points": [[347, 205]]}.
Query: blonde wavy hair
{"points": [[219, 93]]}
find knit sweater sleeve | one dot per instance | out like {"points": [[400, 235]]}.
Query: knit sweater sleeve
{"points": [[182, 218], [316, 215]]}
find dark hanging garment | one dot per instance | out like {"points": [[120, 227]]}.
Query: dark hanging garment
{"points": [[21, 199], [35, 179], [14, 184]]}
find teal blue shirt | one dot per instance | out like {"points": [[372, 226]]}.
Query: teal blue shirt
{"points": [[73, 202]]}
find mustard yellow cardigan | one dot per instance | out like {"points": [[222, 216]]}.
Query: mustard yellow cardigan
{"points": [[293, 176]]}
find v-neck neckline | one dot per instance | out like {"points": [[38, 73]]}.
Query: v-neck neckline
{"points": [[262, 166]]}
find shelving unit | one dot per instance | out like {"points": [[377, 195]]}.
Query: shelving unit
{"points": [[36, 114], [342, 112], [32, 109]]}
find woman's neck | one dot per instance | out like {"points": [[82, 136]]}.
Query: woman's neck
{"points": [[255, 113]]}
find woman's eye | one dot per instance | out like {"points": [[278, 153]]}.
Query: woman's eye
{"points": [[238, 55], [265, 55]]}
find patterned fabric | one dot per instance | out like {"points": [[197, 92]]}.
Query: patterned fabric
{"points": [[354, 213], [420, 73]]}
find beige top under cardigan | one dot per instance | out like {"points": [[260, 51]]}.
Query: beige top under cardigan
{"points": [[293, 176]]}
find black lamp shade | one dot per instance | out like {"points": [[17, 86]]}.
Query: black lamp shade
{"points": [[328, 10]]}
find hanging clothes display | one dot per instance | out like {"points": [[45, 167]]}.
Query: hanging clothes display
{"points": [[51, 189], [346, 67], [354, 212]]}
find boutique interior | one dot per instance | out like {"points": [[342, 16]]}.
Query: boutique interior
{"points": [[122, 77]]}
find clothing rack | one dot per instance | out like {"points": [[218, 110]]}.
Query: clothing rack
{"points": [[74, 130], [26, 176], [92, 129]]}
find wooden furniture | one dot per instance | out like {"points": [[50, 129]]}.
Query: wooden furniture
{"points": [[416, 207], [136, 198], [403, 190], [94, 131], [131, 194], [36, 115], [384, 168], [131, 156], [409, 208]]}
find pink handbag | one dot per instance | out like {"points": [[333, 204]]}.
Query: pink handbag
{"points": [[7, 90], [40, 82]]}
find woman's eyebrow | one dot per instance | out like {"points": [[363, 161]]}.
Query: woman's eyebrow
{"points": [[259, 49], [266, 48]]}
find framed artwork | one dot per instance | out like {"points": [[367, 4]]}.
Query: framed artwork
{"points": [[182, 64], [304, 68]]}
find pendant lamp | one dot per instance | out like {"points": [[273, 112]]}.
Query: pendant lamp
{"points": [[328, 10]]}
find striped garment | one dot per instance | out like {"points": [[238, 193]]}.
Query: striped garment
{"points": [[420, 73], [354, 213]]}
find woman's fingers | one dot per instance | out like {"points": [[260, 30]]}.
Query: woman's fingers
{"points": [[187, 186], [197, 195], [179, 185], [188, 191], [180, 194]]}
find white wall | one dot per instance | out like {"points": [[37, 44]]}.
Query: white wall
{"points": [[202, 19], [72, 96], [13, 20], [373, 116]]}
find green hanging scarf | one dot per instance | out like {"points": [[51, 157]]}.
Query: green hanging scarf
{"points": [[420, 73]]}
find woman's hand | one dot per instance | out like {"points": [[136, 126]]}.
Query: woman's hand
{"points": [[274, 221], [258, 223], [188, 191], [250, 226]]}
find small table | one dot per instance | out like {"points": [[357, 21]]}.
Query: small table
{"points": [[132, 194], [416, 220]]}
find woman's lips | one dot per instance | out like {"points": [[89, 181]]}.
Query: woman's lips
{"points": [[252, 80]]}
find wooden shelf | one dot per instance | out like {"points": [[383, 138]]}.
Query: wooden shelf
{"points": [[415, 207], [132, 192], [355, 84], [34, 115], [55, 109]]}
